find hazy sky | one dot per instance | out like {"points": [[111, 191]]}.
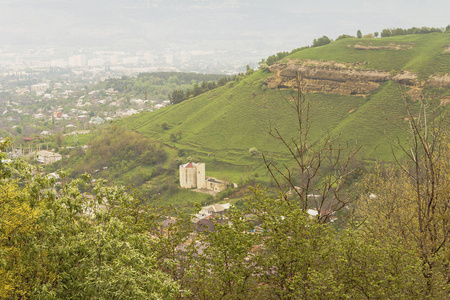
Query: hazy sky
{"points": [[199, 24]]}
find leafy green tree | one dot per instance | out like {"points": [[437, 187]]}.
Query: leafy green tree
{"points": [[196, 90], [249, 70], [81, 246], [176, 96], [413, 206], [386, 33], [369, 266], [293, 250], [321, 41], [220, 262], [17, 227], [222, 81], [59, 138], [413, 30], [359, 34], [344, 36], [253, 151]]}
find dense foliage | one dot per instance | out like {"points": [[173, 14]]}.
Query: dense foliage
{"points": [[60, 243], [322, 41], [280, 55], [155, 85], [180, 95], [414, 30], [344, 36], [125, 157]]}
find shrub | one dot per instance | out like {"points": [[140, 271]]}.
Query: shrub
{"points": [[253, 151], [344, 36]]}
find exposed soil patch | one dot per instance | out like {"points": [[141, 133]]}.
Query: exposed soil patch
{"points": [[445, 100], [390, 46], [415, 93], [440, 81], [205, 191]]}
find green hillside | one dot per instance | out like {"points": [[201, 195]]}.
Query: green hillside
{"points": [[423, 54], [219, 127]]}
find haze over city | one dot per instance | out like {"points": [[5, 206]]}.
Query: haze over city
{"points": [[230, 33]]}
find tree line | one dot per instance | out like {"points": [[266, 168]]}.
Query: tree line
{"points": [[179, 95], [413, 30], [279, 56], [154, 85]]}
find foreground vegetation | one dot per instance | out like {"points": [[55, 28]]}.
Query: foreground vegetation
{"points": [[84, 239], [61, 243]]}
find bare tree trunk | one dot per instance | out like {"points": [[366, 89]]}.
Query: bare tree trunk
{"points": [[323, 165]]}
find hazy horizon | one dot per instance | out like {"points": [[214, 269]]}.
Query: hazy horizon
{"points": [[266, 26]]}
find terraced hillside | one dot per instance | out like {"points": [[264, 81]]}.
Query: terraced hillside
{"points": [[355, 87]]}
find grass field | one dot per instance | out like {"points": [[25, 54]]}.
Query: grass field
{"points": [[80, 139], [220, 126], [425, 57]]}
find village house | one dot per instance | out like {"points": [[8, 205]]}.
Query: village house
{"points": [[215, 184], [38, 116], [47, 157], [40, 88], [111, 91], [204, 220], [214, 210], [97, 120], [57, 114], [207, 224]]}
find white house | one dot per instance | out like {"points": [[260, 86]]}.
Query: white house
{"points": [[215, 209], [47, 157], [40, 87]]}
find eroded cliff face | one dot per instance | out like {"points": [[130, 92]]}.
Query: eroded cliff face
{"points": [[343, 79], [440, 81]]}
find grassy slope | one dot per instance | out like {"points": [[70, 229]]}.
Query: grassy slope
{"points": [[426, 57], [220, 126]]}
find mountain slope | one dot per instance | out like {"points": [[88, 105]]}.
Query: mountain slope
{"points": [[355, 91]]}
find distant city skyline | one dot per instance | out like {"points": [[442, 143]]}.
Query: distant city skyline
{"points": [[262, 26]]}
